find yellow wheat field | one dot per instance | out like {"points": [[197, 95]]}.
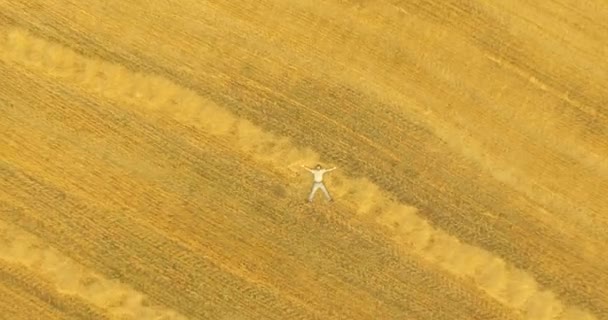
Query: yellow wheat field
{"points": [[151, 152]]}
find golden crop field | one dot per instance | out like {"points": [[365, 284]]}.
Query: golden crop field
{"points": [[151, 153]]}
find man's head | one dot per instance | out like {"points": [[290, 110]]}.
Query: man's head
{"points": [[318, 167]]}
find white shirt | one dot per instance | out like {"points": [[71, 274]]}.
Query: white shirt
{"points": [[318, 173]]}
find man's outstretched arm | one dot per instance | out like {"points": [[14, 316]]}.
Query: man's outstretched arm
{"points": [[307, 168], [330, 169]]}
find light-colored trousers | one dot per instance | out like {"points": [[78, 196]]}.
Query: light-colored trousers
{"points": [[316, 186]]}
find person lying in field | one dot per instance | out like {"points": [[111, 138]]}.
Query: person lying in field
{"points": [[317, 184]]}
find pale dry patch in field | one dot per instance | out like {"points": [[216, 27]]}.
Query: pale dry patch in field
{"points": [[69, 277], [515, 288]]}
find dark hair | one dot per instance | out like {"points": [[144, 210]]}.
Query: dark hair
{"points": [[318, 165]]}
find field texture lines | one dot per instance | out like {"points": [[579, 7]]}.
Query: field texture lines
{"points": [[513, 287], [70, 278]]}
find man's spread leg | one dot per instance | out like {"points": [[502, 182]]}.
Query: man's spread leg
{"points": [[315, 187], [324, 189]]}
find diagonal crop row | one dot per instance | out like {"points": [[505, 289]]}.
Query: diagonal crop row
{"points": [[18, 246]]}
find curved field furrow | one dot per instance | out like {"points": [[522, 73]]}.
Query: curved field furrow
{"points": [[504, 282]]}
